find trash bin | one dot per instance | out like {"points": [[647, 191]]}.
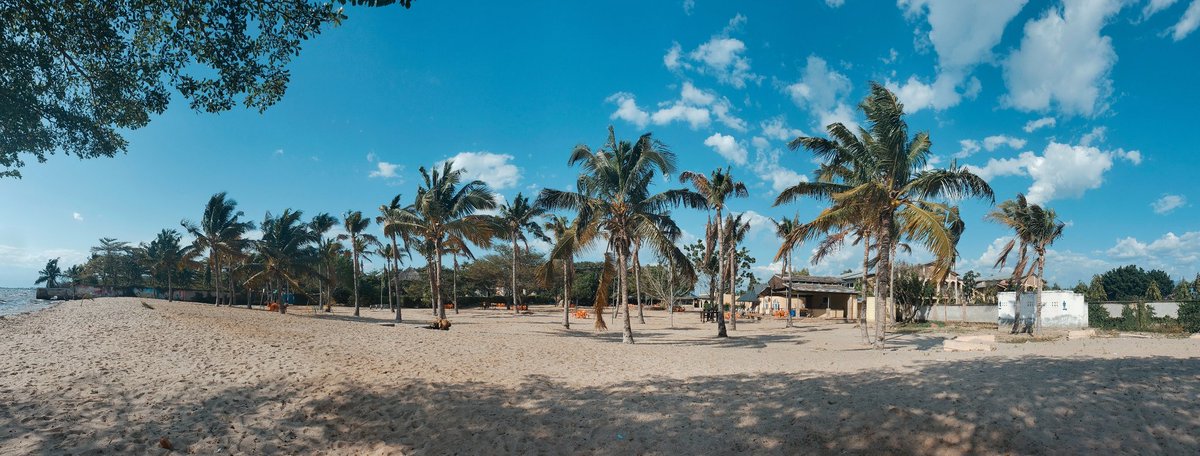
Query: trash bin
{"points": [[793, 312]]}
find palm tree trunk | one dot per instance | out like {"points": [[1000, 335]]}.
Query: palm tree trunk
{"points": [[862, 317], [1037, 300], [455, 297], [354, 255], [170, 291], [883, 287], [566, 297], [637, 283], [441, 307], [671, 291], [720, 292], [515, 301], [623, 294], [733, 289], [787, 266]]}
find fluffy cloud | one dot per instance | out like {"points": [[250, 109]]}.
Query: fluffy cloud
{"points": [[728, 147], [384, 169], [1097, 136], [496, 170], [1188, 23], [32, 260], [776, 128], [991, 143], [722, 56], [822, 91], [1168, 203], [1177, 254], [628, 110], [1062, 171], [1077, 82], [758, 223], [835, 3], [1039, 123], [1155, 6], [963, 34], [969, 147]]}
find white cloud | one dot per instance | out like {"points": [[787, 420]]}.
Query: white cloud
{"points": [[1177, 254], [776, 128], [1097, 136], [767, 167], [969, 147], [627, 109], [694, 116], [1062, 171], [77, 216], [688, 6], [728, 147], [1168, 203], [1063, 61], [384, 169], [695, 106], [1132, 156], [1154, 6], [758, 223], [891, 57], [722, 56], [992, 142], [1188, 23], [1039, 123], [496, 170], [33, 260], [822, 91], [963, 34], [835, 3], [278, 152]]}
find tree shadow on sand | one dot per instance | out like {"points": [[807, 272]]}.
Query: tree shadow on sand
{"points": [[985, 405]]}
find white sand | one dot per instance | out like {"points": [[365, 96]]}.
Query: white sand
{"points": [[110, 376]]}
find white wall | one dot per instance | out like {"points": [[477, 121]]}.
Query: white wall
{"points": [[1060, 309], [1161, 309]]}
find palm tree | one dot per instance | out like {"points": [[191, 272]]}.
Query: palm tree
{"points": [[513, 221], [1015, 214], [785, 229], [355, 224], [285, 253], [889, 179], [389, 221], [444, 209], [735, 232], [320, 225], [218, 232], [456, 248], [49, 274], [166, 257], [612, 197], [76, 274], [329, 250], [715, 188], [567, 241], [1047, 229]]}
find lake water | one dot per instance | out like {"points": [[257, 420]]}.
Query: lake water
{"points": [[20, 300]]}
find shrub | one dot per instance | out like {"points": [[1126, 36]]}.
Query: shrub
{"points": [[342, 295], [1189, 316], [1098, 316]]}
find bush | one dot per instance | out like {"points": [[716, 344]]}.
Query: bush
{"points": [[342, 295], [1189, 316], [1098, 316]]}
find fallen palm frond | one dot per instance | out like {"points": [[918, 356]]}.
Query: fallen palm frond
{"points": [[148, 306]]}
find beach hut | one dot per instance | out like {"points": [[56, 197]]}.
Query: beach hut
{"points": [[818, 296]]}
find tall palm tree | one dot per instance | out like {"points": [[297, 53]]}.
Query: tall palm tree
{"points": [[1047, 229], [75, 274], [329, 250], [513, 221], [735, 230], [355, 225], [50, 274], [220, 228], [286, 253], [567, 242], [166, 257], [456, 248], [389, 221], [1016, 214], [785, 229], [715, 188], [321, 224], [613, 197], [445, 208], [891, 180]]}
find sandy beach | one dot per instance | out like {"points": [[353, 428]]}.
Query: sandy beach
{"points": [[111, 376]]}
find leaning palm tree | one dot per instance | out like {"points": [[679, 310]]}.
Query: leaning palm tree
{"points": [[613, 197], [50, 274], [785, 229], [445, 208], [1015, 214], [355, 224], [890, 179], [286, 253], [512, 222], [219, 229], [717, 187], [1047, 229]]}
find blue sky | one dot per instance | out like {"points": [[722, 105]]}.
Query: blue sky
{"points": [[1083, 105]]}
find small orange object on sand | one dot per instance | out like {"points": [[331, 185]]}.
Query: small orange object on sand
{"points": [[273, 307], [581, 313]]}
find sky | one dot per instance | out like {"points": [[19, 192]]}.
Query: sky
{"points": [[1084, 106]]}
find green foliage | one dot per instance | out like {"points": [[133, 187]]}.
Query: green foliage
{"points": [[1098, 316], [911, 292], [1153, 293], [342, 295], [1131, 282], [78, 74], [1189, 316], [50, 274]]}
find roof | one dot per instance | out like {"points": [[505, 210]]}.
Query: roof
{"points": [[753, 294], [809, 284]]}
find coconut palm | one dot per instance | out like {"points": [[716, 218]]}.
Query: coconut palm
{"points": [[445, 208], [1015, 214], [286, 253], [568, 241], [735, 230], [1046, 229], [457, 248], [513, 221], [785, 229], [166, 258], [715, 188], [889, 178], [329, 250], [219, 231], [355, 225], [75, 274], [388, 220], [613, 197], [49, 275]]}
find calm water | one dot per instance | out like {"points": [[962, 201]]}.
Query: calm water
{"points": [[20, 300]]}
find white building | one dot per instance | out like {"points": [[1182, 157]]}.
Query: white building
{"points": [[1060, 309]]}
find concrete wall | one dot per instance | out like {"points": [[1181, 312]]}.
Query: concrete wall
{"points": [[1161, 309], [953, 313], [1060, 309]]}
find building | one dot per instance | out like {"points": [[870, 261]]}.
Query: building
{"points": [[816, 296], [950, 286]]}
